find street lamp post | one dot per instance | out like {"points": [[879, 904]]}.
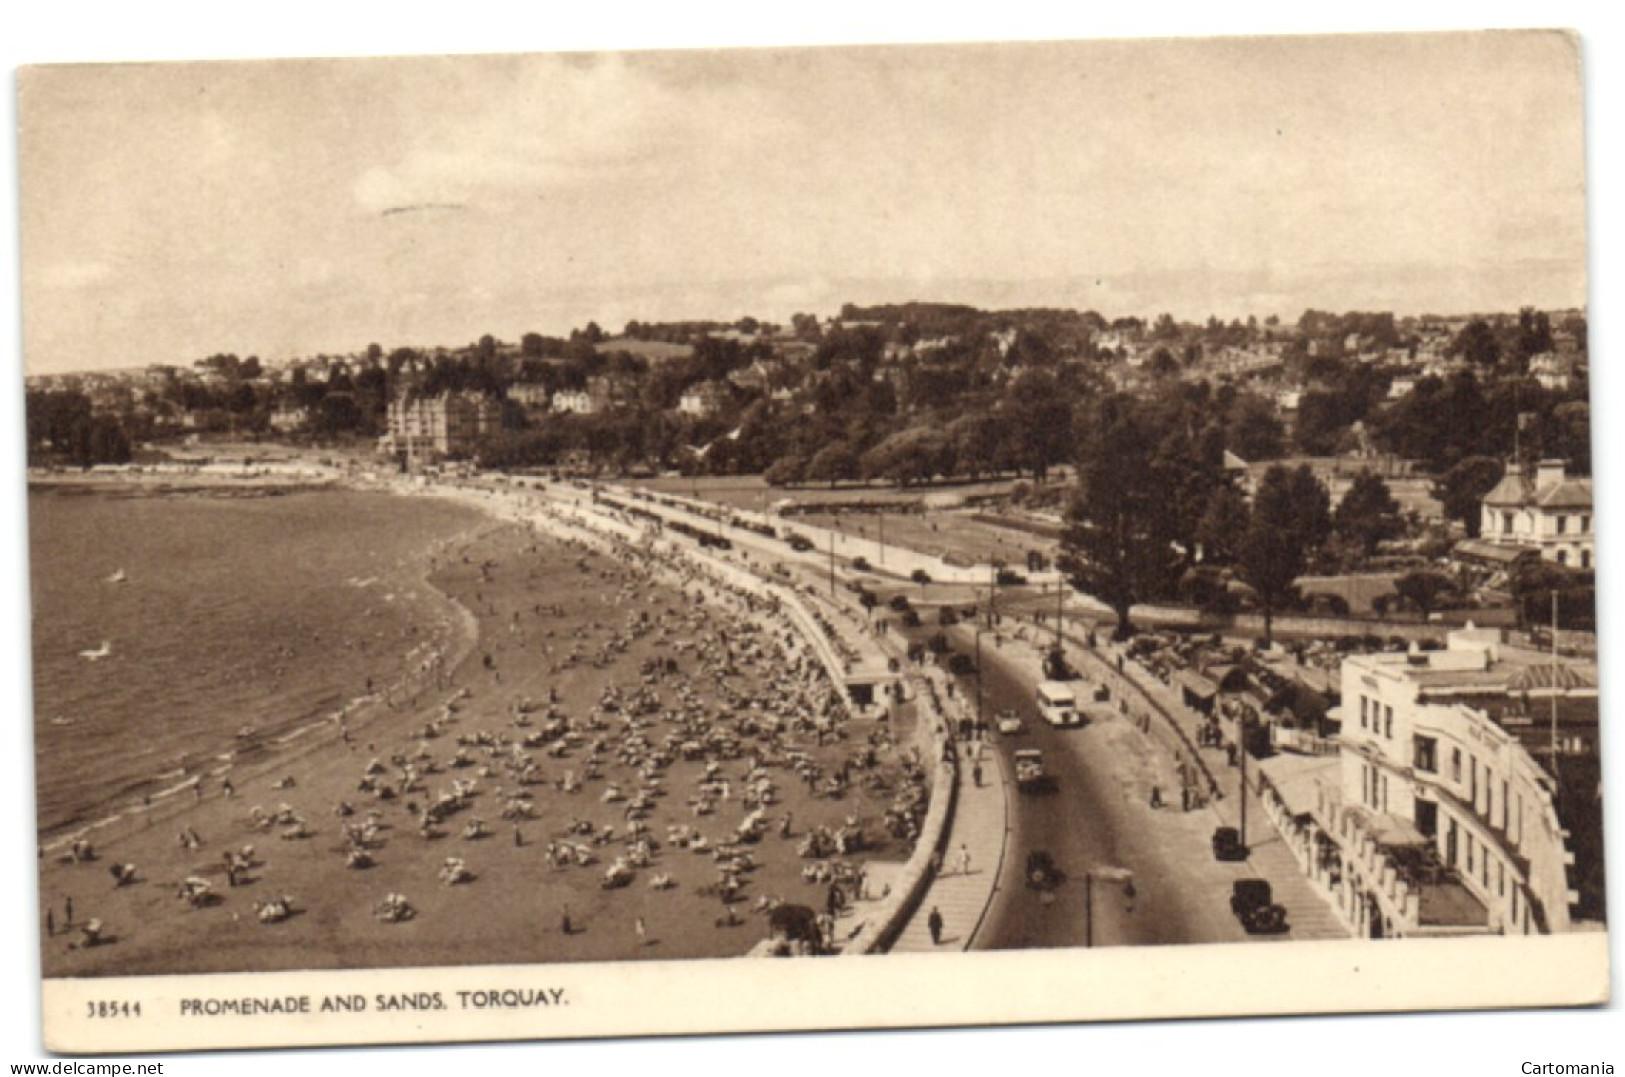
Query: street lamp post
{"points": [[1109, 875], [978, 678], [832, 562]]}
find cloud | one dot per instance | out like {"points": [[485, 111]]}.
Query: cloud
{"points": [[527, 126]]}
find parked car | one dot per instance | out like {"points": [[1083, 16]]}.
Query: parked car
{"points": [[1253, 903], [946, 616], [900, 603], [911, 619], [1227, 844], [861, 564], [1009, 723]]}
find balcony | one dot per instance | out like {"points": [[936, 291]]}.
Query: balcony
{"points": [[1401, 867]]}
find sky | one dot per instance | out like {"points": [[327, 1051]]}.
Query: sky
{"points": [[284, 208]]}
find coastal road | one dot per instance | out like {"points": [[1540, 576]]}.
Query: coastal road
{"points": [[1097, 819]]}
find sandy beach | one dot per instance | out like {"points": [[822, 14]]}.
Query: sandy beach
{"points": [[601, 707]]}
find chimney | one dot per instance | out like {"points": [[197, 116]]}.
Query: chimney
{"points": [[1548, 473]]}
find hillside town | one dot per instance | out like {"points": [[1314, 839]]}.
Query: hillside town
{"points": [[1339, 568]]}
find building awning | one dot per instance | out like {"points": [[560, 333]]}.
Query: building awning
{"points": [[1393, 832], [1296, 778], [1493, 553], [1196, 684]]}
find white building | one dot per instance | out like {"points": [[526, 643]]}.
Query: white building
{"points": [[1550, 512], [435, 427], [705, 398], [1453, 814], [578, 401]]}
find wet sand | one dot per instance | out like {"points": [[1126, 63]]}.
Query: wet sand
{"points": [[558, 626]]}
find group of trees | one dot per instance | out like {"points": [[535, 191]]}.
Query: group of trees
{"points": [[62, 426], [1155, 517]]}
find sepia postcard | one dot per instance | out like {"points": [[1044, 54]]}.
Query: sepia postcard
{"points": [[537, 547]]}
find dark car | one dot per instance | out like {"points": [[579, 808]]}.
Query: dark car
{"points": [[911, 619], [946, 616], [899, 603], [1227, 844], [1253, 903], [861, 564], [1042, 874]]}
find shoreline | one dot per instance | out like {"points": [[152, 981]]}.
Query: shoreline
{"points": [[142, 800], [316, 755]]}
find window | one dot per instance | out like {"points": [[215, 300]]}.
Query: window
{"points": [[1489, 795], [1562, 524], [1585, 524], [1427, 754], [1506, 522], [1455, 765], [1364, 705], [1501, 878], [1585, 558], [1471, 847], [1472, 776], [1388, 721], [1385, 792], [1505, 804], [1562, 557]]}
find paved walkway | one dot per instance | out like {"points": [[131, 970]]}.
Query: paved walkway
{"points": [[1309, 911], [979, 827]]}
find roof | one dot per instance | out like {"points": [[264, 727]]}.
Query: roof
{"points": [[1196, 683], [1295, 778], [1517, 489], [1478, 550], [1568, 494]]}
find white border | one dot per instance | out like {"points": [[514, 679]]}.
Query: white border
{"points": [[1478, 1043]]}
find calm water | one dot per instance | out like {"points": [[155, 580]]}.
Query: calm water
{"points": [[267, 612]]}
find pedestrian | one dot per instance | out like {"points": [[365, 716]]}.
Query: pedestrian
{"points": [[518, 838], [642, 931], [964, 859], [976, 775], [934, 924], [564, 922], [936, 869], [1156, 796], [50, 922], [67, 919]]}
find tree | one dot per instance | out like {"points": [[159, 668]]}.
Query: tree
{"points": [[1163, 364], [1424, 588], [1118, 545], [1291, 517], [1461, 490], [835, 462], [1252, 430], [1477, 342], [1223, 525], [1368, 513], [785, 471]]}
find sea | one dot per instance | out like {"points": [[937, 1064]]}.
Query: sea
{"points": [[172, 630]]}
